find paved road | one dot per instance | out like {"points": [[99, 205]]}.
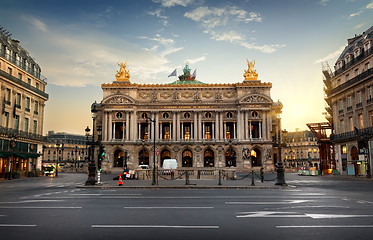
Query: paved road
{"points": [[324, 207]]}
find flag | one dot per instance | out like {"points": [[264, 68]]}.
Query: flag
{"points": [[194, 73], [173, 73]]}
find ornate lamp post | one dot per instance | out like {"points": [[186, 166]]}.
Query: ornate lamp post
{"points": [[277, 141], [153, 121], [92, 164]]}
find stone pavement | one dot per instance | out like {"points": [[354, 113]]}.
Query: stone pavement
{"points": [[245, 183]]}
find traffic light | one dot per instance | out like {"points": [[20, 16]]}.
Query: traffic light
{"points": [[101, 157]]}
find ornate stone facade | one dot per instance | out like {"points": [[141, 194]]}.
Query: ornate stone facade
{"points": [[200, 125]]}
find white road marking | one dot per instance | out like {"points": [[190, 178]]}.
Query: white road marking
{"points": [[30, 207], [102, 194], [34, 201], [271, 214], [363, 201], [327, 226], [155, 226], [272, 203], [16, 225], [180, 207], [323, 216]]}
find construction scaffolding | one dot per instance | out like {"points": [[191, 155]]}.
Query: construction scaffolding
{"points": [[322, 132]]}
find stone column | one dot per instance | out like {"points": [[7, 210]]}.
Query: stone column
{"points": [[203, 130], [221, 125], [246, 123], [260, 130], [178, 126], [217, 125], [139, 130], [104, 126], [128, 125], [199, 126], [234, 130], [174, 126], [251, 136], [225, 130], [156, 125], [195, 134], [110, 136], [161, 131], [182, 130]]}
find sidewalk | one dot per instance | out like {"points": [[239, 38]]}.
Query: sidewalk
{"points": [[246, 183]]}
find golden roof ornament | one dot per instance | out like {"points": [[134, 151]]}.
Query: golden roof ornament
{"points": [[122, 74], [250, 74]]}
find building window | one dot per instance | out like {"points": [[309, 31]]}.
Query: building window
{"points": [[16, 122], [7, 96], [347, 77], [350, 120], [361, 121], [6, 120], [367, 66], [19, 76], [369, 92], [27, 107], [37, 85], [36, 107], [187, 115], [167, 115], [144, 115], [359, 97], [341, 105], [349, 101], [25, 129], [35, 127], [10, 71], [356, 72], [208, 115], [18, 100], [29, 81]]}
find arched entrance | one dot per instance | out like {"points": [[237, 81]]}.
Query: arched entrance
{"points": [[355, 159], [208, 158], [144, 157], [187, 158], [230, 158], [256, 160], [165, 154], [118, 158]]}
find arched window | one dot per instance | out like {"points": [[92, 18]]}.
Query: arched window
{"points": [[230, 157], [118, 158], [187, 158], [144, 157], [165, 154], [256, 160], [208, 158]]}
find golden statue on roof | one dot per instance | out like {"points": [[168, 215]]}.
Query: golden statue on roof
{"points": [[250, 73], [122, 74]]}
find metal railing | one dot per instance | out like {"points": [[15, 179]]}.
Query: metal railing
{"points": [[23, 84], [356, 134], [22, 134]]}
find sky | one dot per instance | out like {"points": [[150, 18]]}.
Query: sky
{"points": [[78, 45]]}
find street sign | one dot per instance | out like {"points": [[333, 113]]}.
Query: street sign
{"points": [[157, 151]]}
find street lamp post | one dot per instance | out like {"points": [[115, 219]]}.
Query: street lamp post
{"points": [[153, 121], [280, 167], [92, 163], [12, 144]]}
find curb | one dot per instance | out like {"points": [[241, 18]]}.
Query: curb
{"points": [[183, 187]]}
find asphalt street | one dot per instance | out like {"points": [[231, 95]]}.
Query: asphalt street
{"points": [[322, 207]]}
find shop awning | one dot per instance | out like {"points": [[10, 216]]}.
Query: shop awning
{"points": [[27, 155]]}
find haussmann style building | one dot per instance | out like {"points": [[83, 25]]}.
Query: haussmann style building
{"points": [[349, 93], [23, 97], [201, 125]]}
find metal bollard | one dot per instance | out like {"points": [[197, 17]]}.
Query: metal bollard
{"points": [[186, 178], [219, 178], [252, 178]]}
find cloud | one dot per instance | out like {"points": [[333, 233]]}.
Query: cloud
{"points": [[355, 14], [195, 60], [331, 55], [359, 26], [157, 13], [323, 2], [172, 3], [36, 23], [219, 22], [370, 5]]}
